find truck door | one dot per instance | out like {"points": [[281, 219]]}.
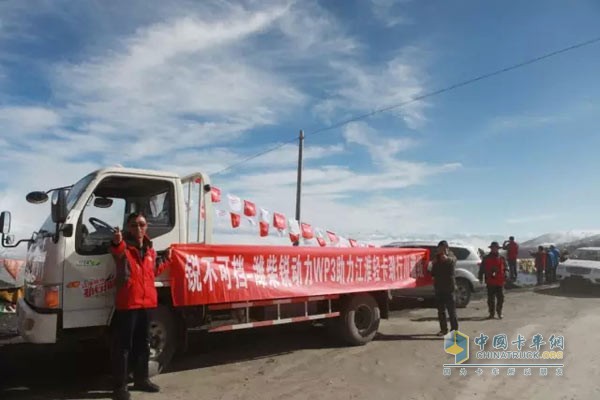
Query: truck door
{"points": [[89, 268], [89, 273]]}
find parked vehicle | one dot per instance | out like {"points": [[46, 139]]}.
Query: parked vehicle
{"points": [[70, 275], [582, 267], [467, 269]]}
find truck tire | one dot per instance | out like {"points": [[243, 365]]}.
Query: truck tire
{"points": [[359, 319], [163, 338], [463, 293]]}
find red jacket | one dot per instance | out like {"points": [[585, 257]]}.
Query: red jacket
{"points": [[513, 250], [493, 268], [540, 260], [135, 275]]}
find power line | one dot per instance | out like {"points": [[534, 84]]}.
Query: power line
{"points": [[417, 98]]}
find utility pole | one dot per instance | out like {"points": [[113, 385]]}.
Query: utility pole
{"points": [[299, 178]]}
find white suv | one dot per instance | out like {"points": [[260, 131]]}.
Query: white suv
{"points": [[583, 266], [466, 273]]}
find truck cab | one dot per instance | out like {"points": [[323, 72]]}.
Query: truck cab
{"points": [[69, 272]]}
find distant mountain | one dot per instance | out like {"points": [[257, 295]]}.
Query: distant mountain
{"points": [[477, 241], [559, 238], [590, 241]]}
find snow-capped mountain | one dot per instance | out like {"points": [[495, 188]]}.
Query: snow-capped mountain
{"points": [[559, 238], [477, 241]]}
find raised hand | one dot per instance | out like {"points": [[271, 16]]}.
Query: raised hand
{"points": [[118, 236]]}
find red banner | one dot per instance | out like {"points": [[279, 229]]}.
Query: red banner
{"points": [[235, 220], [215, 194], [307, 231], [279, 221], [249, 209], [211, 274], [264, 228]]}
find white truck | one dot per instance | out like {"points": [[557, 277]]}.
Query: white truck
{"points": [[69, 273]]}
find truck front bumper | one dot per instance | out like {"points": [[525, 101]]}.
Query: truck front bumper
{"points": [[35, 327]]}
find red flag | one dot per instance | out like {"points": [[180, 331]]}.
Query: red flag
{"points": [[307, 231], [235, 220], [321, 241], [294, 237], [249, 209], [279, 221], [332, 237], [264, 228], [352, 243], [215, 194]]}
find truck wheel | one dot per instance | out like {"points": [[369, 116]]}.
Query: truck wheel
{"points": [[359, 319], [163, 339], [463, 293]]}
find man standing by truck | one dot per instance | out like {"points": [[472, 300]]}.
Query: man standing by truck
{"points": [[136, 267], [493, 268], [442, 271]]}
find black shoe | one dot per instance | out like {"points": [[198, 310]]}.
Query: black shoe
{"points": [[146, 386], [442, 333], [121, 394], [491, 316]]}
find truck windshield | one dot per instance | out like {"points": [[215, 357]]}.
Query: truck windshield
{"points": [[78, 189]]}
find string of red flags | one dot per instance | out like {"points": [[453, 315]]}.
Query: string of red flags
{"points": [[234, 210]]}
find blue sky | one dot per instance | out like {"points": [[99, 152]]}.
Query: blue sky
{"points": [[200, 85]]}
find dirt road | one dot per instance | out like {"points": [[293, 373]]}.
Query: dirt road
{"points": [[404, 362]]}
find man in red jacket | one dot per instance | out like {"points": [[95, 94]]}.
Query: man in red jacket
{"points": [[512, 250], [136, 267], [493, 268]]}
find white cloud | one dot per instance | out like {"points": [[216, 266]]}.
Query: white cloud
{"points": [[359, 88], [531, 218], [387, 12], [22, 120], [181, 91], [383, 151]]}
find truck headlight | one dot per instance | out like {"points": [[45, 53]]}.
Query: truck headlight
{"points": [[43, 296]]}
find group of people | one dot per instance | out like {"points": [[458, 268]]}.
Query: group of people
{"points": [[493, 271], [546, 263]]}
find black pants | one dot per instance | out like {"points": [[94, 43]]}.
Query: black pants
{"points": [[495, 299], [512, 264], [445, 301], [130, 346], [540, 276]]}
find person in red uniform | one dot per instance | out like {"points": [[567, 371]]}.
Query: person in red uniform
{"points": [[512, 250], [137, 265], [493, 269]]}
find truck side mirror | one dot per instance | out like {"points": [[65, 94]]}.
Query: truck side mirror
{"points": [[36, 197], [5, 222], [59, 206], [102, 202]]}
